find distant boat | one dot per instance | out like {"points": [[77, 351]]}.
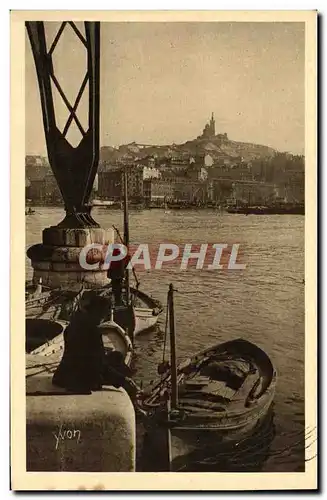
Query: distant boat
{"points": [[214, 398], [29, 211], [102, 203], [174, 206], [280, 209]]}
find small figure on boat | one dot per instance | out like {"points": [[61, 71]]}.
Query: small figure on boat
{"points": [[116, 273]]}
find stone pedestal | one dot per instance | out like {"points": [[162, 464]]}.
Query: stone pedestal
{"points": [[78, 433], [57, 259]]}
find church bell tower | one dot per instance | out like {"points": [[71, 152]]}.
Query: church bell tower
{"points": [[212, 125]]}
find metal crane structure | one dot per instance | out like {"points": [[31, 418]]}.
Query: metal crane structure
{"points": [[73, 167]]}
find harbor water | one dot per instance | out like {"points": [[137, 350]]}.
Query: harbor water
{"points": [[263, 303]]}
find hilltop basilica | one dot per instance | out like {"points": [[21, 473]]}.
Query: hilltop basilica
{"points": [[209, 131]]}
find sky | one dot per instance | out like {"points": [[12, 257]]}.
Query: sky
{"points": [[161, 81]]}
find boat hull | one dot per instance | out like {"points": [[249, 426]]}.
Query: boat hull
{"points": [[144, 320], [204, 424], [187, 444], [45, 337], [146, 312], [144, 315], [185, 441]]}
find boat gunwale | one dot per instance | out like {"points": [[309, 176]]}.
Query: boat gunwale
{"points": [[148, 299], [270, 387], [52, 342], [121, 332]]}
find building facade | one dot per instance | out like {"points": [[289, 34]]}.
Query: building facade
{"points": [[111, 183], [158, 191], [52, 192]]}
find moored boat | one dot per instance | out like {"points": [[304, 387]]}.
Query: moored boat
{"points": [[275, 209], [45, 331], [215, 398], [143, 316], [146, 311]]}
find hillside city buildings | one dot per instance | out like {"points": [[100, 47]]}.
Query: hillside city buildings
{"points": [[208, 170]]}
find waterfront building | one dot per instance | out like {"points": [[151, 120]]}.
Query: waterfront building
{"points": [[189, 191], [254, 193], [111, 185], [150, 172], [52, 192], [222, 190], [158, 191], [44, 191], [37, 190]]}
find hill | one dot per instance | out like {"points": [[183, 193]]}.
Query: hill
{"points": [[218, 147]]}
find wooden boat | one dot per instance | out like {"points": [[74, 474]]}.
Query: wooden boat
{"points": [[146, 311], [44, 344], [213, 399], [144, 314]]}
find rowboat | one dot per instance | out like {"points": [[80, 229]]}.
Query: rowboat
{"points": [[44, 340], [215, 398], [45, 343], [141, 316], [146, 310]]}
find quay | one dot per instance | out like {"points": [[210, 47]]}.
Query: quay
{"points": [[78, 433]]}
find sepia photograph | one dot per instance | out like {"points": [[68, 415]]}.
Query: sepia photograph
{"points": [[170, 172]]}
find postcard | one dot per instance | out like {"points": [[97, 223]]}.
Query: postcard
{"points": [[164, 278]]}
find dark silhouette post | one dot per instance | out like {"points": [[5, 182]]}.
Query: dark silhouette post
{"points": [[73, 168]]}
